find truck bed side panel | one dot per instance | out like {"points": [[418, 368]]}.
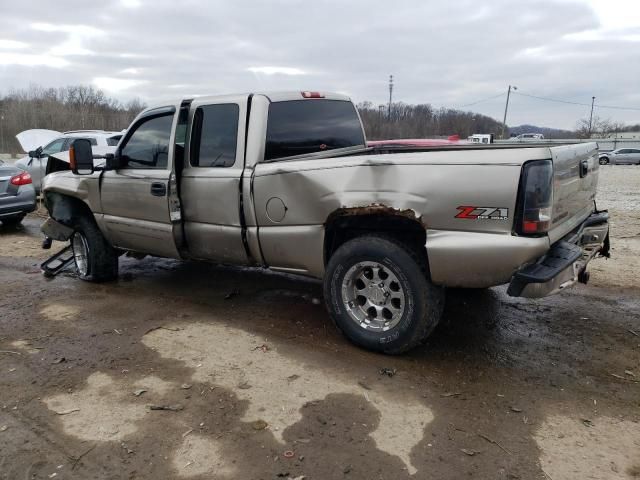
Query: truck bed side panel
{"points": [[425, 187]]}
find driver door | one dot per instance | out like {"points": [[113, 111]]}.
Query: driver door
{"points": [[140, 205]]}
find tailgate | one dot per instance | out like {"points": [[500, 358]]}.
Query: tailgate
{"points": [[575, 180]]}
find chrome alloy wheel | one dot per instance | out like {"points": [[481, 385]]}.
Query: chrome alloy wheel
{"points": [[80, 253], [373, 296]]}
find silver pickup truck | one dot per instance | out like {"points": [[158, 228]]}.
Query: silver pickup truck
{"points": [[286, 181]]}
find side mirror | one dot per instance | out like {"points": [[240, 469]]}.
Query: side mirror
{"points": [[114, 161], [81, 157], [35, 153]]}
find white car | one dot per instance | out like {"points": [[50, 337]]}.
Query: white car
{"points": [[527, 137], [621, 156], [41, 143]]}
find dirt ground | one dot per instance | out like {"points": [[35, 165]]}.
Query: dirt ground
{"points": [[259, 384]]}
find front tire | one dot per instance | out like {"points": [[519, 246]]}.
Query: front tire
{"points": [[378, 293], [604, 160], [95, 259], [12, 221]]}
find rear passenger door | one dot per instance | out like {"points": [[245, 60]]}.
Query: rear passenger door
{"points": [[210, 183]]}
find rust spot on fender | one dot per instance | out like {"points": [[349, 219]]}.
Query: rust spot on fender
{"points": [[377, 209]]}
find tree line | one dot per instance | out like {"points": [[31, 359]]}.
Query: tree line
{"points": [[422, 121], [80, 107], [75, 107]]}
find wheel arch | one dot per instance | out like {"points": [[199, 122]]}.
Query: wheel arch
{"points": [[345, 224], [65, 208]]}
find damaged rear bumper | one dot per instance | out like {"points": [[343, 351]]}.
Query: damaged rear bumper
{"points": [[566, 262]]}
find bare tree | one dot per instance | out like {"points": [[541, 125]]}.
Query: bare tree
{"points": [[74, 107], [419, 121], [598, 127]]}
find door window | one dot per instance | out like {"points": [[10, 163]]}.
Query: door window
{"points": [[215, 135], [53, 147], [148, 146]]}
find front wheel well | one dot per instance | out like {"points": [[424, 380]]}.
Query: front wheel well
{"points": [[347, 224], [66, 209]]}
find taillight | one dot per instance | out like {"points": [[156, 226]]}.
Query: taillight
{"points": [[536, 197], [23, 178], [312, 95]]}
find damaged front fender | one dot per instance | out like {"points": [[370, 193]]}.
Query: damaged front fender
{"points": [[56, 231]]}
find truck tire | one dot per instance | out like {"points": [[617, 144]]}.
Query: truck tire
{"points": [[379, 294], [95, 259], [12, 221]]}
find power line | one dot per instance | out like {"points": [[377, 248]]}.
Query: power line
{"points": [[575, 103], [480, 101]]}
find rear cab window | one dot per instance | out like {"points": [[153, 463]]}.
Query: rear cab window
{"points": [[300, 127]]}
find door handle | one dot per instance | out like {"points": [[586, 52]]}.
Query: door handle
{"points": [[584, 168], [158, 189]]}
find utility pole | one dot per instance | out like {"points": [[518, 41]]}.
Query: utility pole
{"points": [[506, 107], [2, 133], [593, 99], [390, 95]]}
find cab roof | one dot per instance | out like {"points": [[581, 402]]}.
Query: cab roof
{"points": [[283, 96]]}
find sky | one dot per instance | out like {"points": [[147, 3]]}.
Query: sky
{"points": [[450, 54]]}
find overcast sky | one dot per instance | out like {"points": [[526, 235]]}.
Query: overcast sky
{"points": [[447, 53]]}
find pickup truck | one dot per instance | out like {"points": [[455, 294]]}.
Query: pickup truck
{"points": [[287, 181]]}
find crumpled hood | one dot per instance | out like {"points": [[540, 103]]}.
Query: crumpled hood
{"points": [[37, 137]]}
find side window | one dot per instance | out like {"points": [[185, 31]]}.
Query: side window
{"points": [[54, 147], [215, 135], [70, 141], [148, 146], [113, 141]]}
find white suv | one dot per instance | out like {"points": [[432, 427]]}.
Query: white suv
{"points": [[36, 161]]}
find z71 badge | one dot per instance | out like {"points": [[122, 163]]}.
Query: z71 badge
{"points": [[482, 213]]}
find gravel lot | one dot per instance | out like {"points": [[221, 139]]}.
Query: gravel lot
{"points": [[260, 385]]}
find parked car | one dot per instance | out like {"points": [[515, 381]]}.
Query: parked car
{"points": [[527, 137], [287, 181], [36, 160], [621, 156], [17, 195]]}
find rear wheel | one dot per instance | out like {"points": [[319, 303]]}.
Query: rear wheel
{"points": [[604, 160], [95, 259], [12, 221], [379, 294]]}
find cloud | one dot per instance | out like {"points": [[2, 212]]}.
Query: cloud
{"points": [[12, 44], [116, 85], [28, 60], [269, 70], [439, 52]]}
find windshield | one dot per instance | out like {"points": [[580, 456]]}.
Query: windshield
{"points": [[308, 126]]}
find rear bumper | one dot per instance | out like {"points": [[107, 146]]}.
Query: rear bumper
{"points": [[20, 204], [566, 262]]}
